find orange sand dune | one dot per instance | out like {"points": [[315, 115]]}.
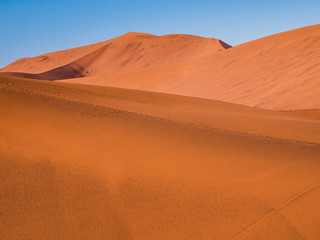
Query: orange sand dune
{"points": [[281, 71], [132, 51], [89, 162]]}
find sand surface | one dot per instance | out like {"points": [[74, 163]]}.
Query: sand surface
{"points": [[90, 162], [281, 71]]}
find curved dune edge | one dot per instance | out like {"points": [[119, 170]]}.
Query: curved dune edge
{"points": [[200, 113], [104, 163]]}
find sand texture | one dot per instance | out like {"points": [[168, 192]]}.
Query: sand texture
{"points": [[90, 162]]}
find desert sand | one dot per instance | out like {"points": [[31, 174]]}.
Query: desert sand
{"points": [[163, 137], [87, 162]]}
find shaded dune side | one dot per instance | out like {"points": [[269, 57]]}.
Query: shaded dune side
{"points": [[71, 70], [49, 61]]}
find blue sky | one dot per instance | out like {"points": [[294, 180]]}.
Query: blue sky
{"points": [[30, 28]]}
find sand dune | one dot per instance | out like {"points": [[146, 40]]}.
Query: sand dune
{"points": [[89, 162], [276, 72], [132, 51]]}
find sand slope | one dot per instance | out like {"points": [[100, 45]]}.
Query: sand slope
{"points": [[276, 72], [88, 162]]}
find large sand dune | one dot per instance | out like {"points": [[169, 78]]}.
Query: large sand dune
{"points": [[132, 51], [281, 71], [89, 162]]}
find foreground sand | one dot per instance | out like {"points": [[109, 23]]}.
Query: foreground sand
{"points": [[86, 162]]}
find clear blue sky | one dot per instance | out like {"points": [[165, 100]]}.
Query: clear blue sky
{"points": [[30, 28]]}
